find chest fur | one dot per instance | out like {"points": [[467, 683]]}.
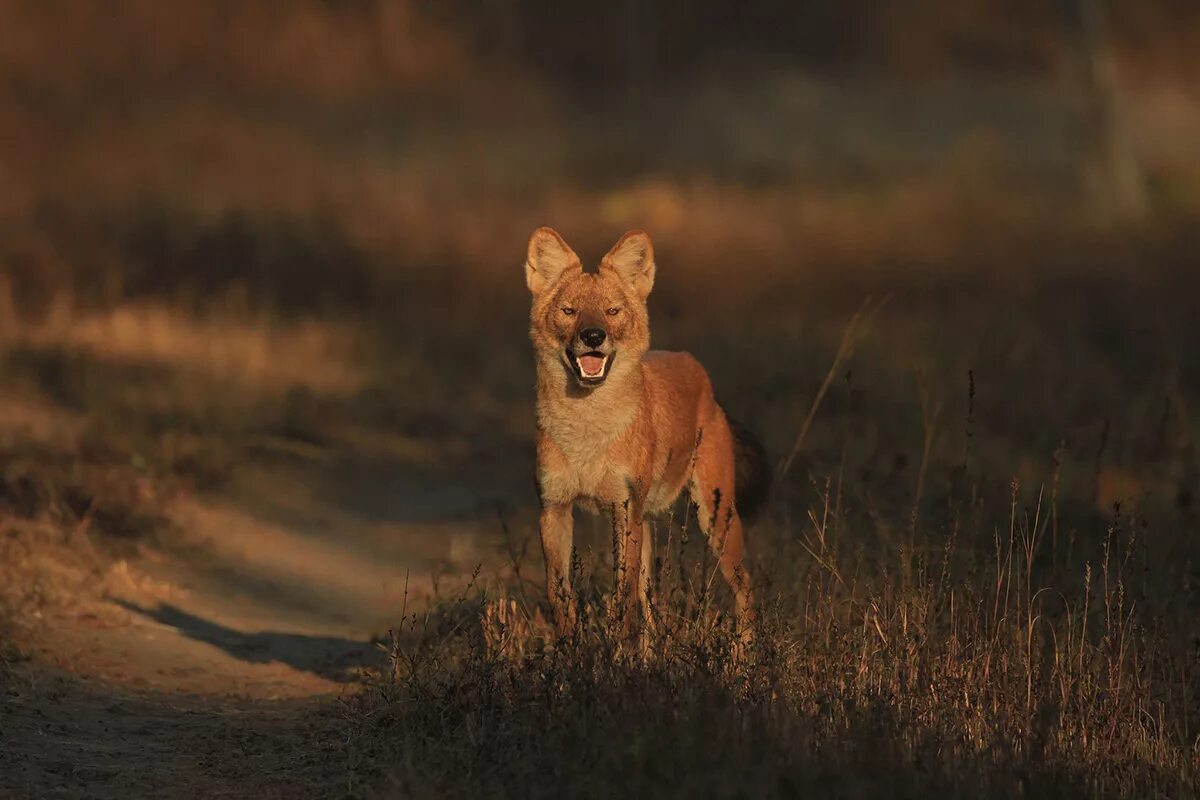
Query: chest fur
{"points": [[591, 447], [581, 456], [600, 468]]}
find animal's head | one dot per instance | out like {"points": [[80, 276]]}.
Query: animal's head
{"points": [[593, 323]]}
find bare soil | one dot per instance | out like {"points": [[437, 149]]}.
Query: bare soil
{"points": [[215, 665]]}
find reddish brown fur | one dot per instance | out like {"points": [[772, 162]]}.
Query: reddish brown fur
{"points": [[631, 444]]}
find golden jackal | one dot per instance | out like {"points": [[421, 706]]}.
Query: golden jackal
{"points": [[623, 429]]}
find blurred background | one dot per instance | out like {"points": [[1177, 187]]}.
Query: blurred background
{"points": [[193, 150]]}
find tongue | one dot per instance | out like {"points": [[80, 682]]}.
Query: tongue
{"points": [[591, 365]]}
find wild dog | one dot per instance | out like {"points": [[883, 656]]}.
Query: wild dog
{"points": [[623, 429]]}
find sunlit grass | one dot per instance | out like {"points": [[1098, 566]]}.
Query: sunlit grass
{"points": [[954, 668]]}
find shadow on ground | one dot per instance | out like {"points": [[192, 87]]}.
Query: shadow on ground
{"points": [[329, 657]]}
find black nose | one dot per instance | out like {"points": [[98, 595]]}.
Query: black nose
{"points": [[592, 337]]}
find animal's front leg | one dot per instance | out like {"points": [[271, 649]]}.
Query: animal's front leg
{"points": [[557, 530], [632, 570]]}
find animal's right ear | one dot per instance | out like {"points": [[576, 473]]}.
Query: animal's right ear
{"points": [[549, 257]]}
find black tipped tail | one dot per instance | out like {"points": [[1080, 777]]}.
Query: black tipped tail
{"points": [[752, 483]]}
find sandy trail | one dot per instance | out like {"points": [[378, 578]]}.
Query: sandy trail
{"points": [[213, 666]]}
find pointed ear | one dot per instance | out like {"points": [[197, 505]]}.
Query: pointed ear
{"points": [[632, 258], [549, 257]]}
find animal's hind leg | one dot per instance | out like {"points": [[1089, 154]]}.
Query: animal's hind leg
{"points": [[712, 490], [646, 574]]}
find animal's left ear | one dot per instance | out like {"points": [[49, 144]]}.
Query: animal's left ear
{"points": [[547, 259], [632, 258]]}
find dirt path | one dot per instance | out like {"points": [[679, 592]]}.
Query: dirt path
{"points": [[214, 666]]}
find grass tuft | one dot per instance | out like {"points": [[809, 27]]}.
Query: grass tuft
{"points": [[943, 669]]}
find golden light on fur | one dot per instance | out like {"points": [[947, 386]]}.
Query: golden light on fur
{"points": [[622, 430]]}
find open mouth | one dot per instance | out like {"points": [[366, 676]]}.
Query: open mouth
{"points": [[591, 367]]}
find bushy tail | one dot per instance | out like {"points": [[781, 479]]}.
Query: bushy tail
{"points": [[753, 474]]}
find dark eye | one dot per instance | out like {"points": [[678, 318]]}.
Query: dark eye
{"points": [[612, 312], [570, 312]]}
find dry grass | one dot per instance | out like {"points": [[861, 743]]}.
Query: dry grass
{"points": [[973, 584], [107, 414], [907, 671], [256, 352]]}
